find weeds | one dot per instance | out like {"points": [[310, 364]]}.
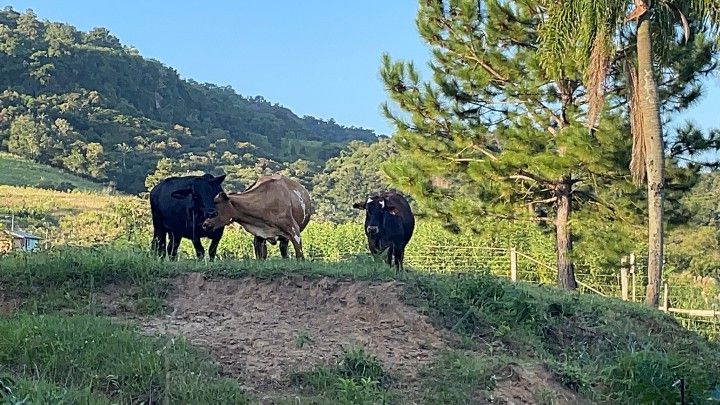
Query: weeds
{"points": [[607, 350], [460, 377], [302, 339], [358, 378]]}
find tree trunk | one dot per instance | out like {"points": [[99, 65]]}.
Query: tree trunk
{"points": [[563, 242], [654, 161]]}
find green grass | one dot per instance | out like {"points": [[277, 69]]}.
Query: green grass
{"points": [[357, 378], [16, 171], [86, 358], [68, 277], [610, 351], [461, 377]]}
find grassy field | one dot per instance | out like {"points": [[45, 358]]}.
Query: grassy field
{"points": [[606, 350], [30, 199], [89, 218], [16, 171]]}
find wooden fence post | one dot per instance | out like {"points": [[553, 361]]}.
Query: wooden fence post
{"points": [[632, 272], [666, 299], [623, 279], [513, 264]]}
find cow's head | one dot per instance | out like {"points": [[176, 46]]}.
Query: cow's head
{"points": [[224, 215], [376, 210], [201, 191]]}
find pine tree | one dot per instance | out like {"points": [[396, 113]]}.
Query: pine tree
{"points": [[494, 136]]}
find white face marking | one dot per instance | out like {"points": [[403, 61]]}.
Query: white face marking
{"points": [[302, 203], [368, 201], [297, 238], [382, 204]]}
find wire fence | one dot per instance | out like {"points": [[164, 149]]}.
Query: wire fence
{"points": [[682, 296]]}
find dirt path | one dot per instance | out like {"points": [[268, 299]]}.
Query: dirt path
{"points": [[254, 327]]}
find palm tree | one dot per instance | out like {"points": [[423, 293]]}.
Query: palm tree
{"points": [[592, 32]]}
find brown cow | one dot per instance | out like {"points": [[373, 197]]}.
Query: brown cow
{"points": [[273, 208]]}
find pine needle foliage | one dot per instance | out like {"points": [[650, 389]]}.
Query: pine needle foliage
{"points": [[495, 134]]}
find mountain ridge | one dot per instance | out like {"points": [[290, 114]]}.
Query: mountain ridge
{"points": [[86, 103]]}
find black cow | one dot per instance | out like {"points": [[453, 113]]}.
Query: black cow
{"points": [[389, 224], [179, 206]]}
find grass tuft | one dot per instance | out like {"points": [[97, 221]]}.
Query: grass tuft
{"points": [[357, 378]]}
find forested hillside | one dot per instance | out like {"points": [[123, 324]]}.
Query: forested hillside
{"points": [[84, 102]]}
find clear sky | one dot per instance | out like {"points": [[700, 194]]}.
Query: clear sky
{"points": [[316, 57]]}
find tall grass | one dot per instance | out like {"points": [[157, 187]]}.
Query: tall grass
{"points": [[609, 350], [95, 360]]}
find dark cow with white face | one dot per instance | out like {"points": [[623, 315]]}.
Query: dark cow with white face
{"points": [[389, 224], [179, 206]]}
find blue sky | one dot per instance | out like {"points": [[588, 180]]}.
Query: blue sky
{"points": [[316, 57]]}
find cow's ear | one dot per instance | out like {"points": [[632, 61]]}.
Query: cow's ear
{"points": [[393, 210], [218, 179], [223, 197], [180, 194], [360, 206]]}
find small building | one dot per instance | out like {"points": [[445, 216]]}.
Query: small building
{"points": [[22, 240]]}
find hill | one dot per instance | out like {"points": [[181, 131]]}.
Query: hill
{"points": [[348, 332], [84, 102], [17, 171]]}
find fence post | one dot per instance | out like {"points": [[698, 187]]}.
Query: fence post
{"points": [[632, 272], [513, 264], [624, 278], [666, 299]]}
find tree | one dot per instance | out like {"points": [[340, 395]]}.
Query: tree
{"points": [[95, 160], [493, 135], [353, 175], [593, 32], [103, 38], [165, 168], [28, 138]]}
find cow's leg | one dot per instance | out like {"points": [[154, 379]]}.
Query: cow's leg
{"points": [[212, 250], [284, 242], [199, 249], [389, 259], [174, 244], [260, 247], [296, 241], [399, 258], [159, 240]]}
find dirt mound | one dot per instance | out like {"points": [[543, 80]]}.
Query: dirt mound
{"points": [[264, 330]]}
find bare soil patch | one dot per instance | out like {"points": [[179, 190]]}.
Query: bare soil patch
{"points": [[518, 385], [262, 331]]}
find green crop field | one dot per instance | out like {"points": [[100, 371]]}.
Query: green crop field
{"points": [[16, 171]]}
